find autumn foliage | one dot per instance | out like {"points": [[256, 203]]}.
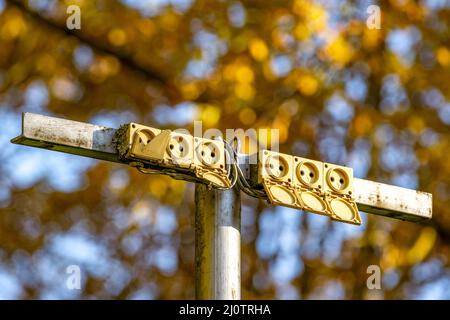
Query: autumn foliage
{"points": [[377, 100]]}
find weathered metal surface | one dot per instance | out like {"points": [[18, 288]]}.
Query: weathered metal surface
{"points": [[217, 244], [97, 142], [228, 245], [204, 242], [67, 136], [392, 201]]}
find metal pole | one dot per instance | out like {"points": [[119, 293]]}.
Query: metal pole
{"points": [[217, 244]]}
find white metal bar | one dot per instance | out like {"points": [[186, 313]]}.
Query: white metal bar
{"points": [[96, 142], [392, 201], [67, 136]]}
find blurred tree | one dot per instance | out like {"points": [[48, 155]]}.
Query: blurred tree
{"points": [[377, 100]]}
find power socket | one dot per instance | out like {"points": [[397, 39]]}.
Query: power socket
{"points": [[210, 161], [275, 166], [337, 179], [308, 173], [209, 153], [180, 150], [338, 187]]}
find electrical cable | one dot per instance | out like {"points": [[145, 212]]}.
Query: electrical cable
{"points": [[234, 172]]}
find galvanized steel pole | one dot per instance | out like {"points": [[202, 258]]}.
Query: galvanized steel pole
{"points": [[217, 244]]}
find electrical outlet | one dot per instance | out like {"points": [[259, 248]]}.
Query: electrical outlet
{"points": [[147, 143], [210, 161], [338, 186], [338, 179], [180, 150], [275, 174], [145, 134], [308, 181], [308, 173], [275, 166], [210, 153], [308, 185]]}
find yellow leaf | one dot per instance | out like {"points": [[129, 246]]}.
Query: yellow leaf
{"points": [[317, 18], [423, 246], [46, 64], [158, 187], [362, 124], [258, 49], [371, 38], [339, 51], [190, 91], [301, 31], [169, 21], [244, 91], [314, 15], [210, 115], [247, 116], [443, 56], [112, 65], [282, 122], [307, 85], [117, 37], [14, 27], [244, 74], [268, 73], [299, 7], [229, 72], [416, 124], [77, 2], [392, 257], [147, 27]]}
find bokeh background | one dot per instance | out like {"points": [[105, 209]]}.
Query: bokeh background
{"points": [[376, 100]]}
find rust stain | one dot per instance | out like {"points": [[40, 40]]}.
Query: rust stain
{"points": [[60, 139], [46, 145]]}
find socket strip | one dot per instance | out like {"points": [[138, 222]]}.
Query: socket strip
{"points": [[205, 158], [309, 185]]}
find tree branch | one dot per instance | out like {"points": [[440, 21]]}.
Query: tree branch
{"points": [[124, 58]]}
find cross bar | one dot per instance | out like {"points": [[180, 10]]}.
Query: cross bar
{"points": [[95, 141]]}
